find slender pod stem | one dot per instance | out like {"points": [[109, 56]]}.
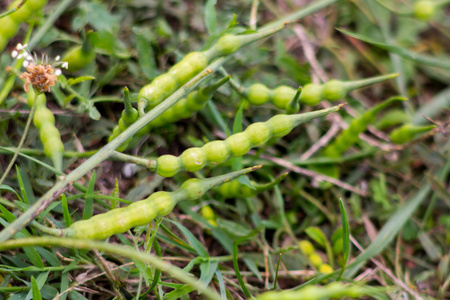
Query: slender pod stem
{"points": [[118, 250], [300, 13], [303, 118], [12, 10], [294, 106], [194, 190], [213, 87], [129, 110], [104, 153], [376, 109], [260, 187], [357, 84]]}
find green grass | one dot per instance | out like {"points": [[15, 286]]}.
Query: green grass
{"points": [[382, 226]]}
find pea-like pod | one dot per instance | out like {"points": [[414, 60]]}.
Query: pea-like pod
{"points": [[311, 94], [408, 132], [335, 290], [129, 116], [10, 25], [185, 107], [44, 120], [191, 65], [79, 57], [392, 118], [234, 189], [143, 212], [209, 214], [348, 137], [216, 152]]}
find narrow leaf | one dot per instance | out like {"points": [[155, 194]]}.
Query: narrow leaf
{"points": [[345, 236], [88, 203]]}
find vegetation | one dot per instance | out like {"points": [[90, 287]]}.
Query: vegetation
{"points": [[274, 192]]}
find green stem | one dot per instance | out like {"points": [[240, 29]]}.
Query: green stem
{"points": [[357, 84], [213, 87], [269, 185], [124, 251], [147, 163], [299, 14], [420, 129], [303, 118], [104, 153], [22, 141], [12, 10], [376, 109]]}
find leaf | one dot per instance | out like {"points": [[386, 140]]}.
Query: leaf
{"points": [[193, 241], [99, 16], [66, 213], [103, 40], [146, 56], [317, 235], [10, 189], [440, 62], [345, 236], [252, 234], [210, 17], [94, 114], [88, 203], [35, 289], [73, 81]]}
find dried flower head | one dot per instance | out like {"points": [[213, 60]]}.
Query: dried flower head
{"points": [[41, 75]]}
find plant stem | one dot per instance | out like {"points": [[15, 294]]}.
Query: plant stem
{"points": [[22, 140], [124, 251], [104, 153]]}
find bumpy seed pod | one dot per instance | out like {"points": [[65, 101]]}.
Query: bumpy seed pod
{"points": [[216, 152], [311, 94], [349, 137], [424, 10], [335, 290], [209, 214], [143, 212], [308, 249], [10, 25], [44, 120], [185, 107], [191, 65], [79, 57], [392, 118], [234, 189], [129, 116], [408, 132]]}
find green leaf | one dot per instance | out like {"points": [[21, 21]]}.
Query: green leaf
{"points": [[317, 235], [103, 40], [99, 17], [35, 289], [440, 62], [252, 234], [345, 236], [73, 81], [146, 56], [94, 114], [88, 203], [10, 189], [193, 241], [210, 17], [66, 213]]}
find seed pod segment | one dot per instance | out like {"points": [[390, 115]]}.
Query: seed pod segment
{"points": [[234, 189], [191, 65], [44, 120], [143, 212], [408, 132], [238, 144], [79, 57]]}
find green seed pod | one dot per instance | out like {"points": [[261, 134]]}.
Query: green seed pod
{"points": [[282, 95], [41, 100], [408, 132], [349, 137], [258, 94], [325, 269], [392, 118], [47, 132], [168, 165], [315, 259], [424, 10], [193, 159], [143, 212], [216, 152], [236, 145], [235, 189], [306, 247], [43, 115], [311, 94], [334, 90], [78, 58], [23, 14]]}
